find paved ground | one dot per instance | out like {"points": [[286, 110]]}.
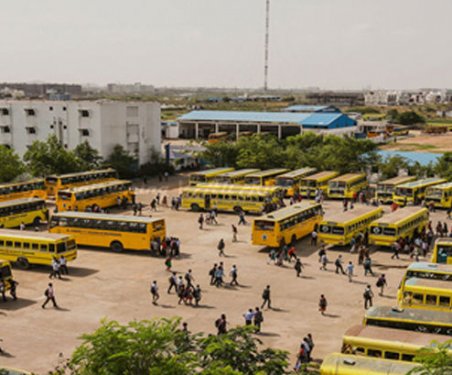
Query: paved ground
{"points": [[103, 284]]}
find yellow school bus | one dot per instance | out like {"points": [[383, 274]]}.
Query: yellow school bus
{"points": [[348, 364], [217, 137], [13, 371], [106, 194], [207, 175], [442, 251], [318, 181], [425, 270], [234, 177], [27, 189], [25, 210], [402, 223], [230, 198], [291, 181], [286, 225], [117, 232], [340, 228], [418, 320], [386, 343], [264, 178], [347, 185], [386, 188], [440, 195], [55, 183], [414, 192], [429, 294], [26, 248], [6, 274]]}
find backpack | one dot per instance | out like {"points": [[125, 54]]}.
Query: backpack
{"points": [[153, 289], [46, 292], [337, 262], [366, 294], [217, 322], [266, 294], [379, 282]]}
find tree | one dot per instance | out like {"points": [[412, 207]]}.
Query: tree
{"points": [[260, 151], [392, 115], [392, 165], [221, 154], [410, 118], [443, 166], [125, 164], [10, 164], [87, 157], [435, 360], [50, 157]]}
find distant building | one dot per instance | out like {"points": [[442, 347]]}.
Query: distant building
{"points": [[103, 123], [199, 124], [336, 98], [43, 90], [134, 88], [306, 108], [399, 97]]}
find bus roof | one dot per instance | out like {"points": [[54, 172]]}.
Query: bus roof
{"points": [[419, 315], [391, 334], [445, 186], [430, 267], [288, 211], [297, 172], [444, 241], [348, 176], [321, 175], [96, 186], [112, 217], [214, 170], [217, 185], [260, 191], [429, 283], [239, 173], [344, 217], [336, 363], [400, 215], [15, 202], [425, 181], [22, 182], [20, 234], [268, 172], [86, 173], [397, 180]]}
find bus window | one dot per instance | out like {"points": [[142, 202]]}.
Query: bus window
{"points": [[360, 350], [9, 243], [374, 353], [52, 248], [17, 244], [417, 298], [392, 355], [430, 300], [338, 230], [26, 245], [264, 225], [389, 231], [444, 301], [407, 357], [61, 247]]}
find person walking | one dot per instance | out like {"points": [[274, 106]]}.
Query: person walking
{"points": [[292, 253], [350, 269], [323, 262], [249, 315], [310, 342], [220, 248], [169, 263], [234, 233], [201, 221], [381, 283], [266, 297], [221, 324], [298, 267], [338, 264], [50, 296], [368, 266], [242, 218], [197, 295], [396, 249], [322, 304], [314, 237], [322, 252], [3, 290], [219, 273], [172, 282], [258, 319], [189, 279], [22, 226], [13, 288], [63, 265], [155, 292], [212, 273], [368, 297], [234, 273], [55, 269]]}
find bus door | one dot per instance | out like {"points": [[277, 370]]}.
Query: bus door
{"points": [[442, 255], [207, 201]]}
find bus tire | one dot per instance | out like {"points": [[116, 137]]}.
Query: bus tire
{"points": [[23, 263], [116, 246], [195, 207], [37, 221]]}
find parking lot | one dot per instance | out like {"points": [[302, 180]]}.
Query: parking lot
{"points": [[102, 284]]}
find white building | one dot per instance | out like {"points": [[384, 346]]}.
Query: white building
{"points": [[103, 123]]}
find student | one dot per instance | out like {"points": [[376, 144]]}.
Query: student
{"points": [[314, 237], [350, 269], [234, 233], [220, 248], [242, 218], [322, 304], [266, 297], [200, 221], [13, 288], [212, 274], [155, 292], [3, 290], [292, 253], [221, 324], [249, 315], [168, 263], [55, 269], [197, 295], [189, 278], [298, 267], [173, 282], [258, 319], [368, 266], [63, 265], [381, 283], [50, 296], [338, 264], [324, 262], [368, 296], [233, 273]]}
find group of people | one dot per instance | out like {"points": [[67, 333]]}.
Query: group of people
{"points": [[59, 267], [10, 284], [169, 247], [217, 275]]}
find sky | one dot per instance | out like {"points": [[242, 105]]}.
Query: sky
{"points": [[330, 44]]}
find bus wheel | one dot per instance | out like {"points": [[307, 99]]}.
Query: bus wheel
{"points": [[37, 221], [23, 263], [195, 207], [116, 246]]}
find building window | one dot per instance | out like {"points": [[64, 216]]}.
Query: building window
{"points": [[6, 129], [50, 108], [4, 111], [64, 108], [7, 145], [132, 111], [51, 126], [65, 145], [84, 132], [31, 130], [30, 112], [64, 127], [84, 113]]}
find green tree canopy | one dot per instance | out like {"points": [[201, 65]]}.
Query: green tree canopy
{"points": [[443, 166], [125, 164], [11, 165], [434, 360], [391, 166], [87, 156], [260, 151], [410, 118]]}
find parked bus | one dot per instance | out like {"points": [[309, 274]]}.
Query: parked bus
{"points": [[25, 210], [213, 138], [402, 223], [428, 294], [286, 225], [55, 183], [234, 177], [6, 274], [386, 343], [347, 185], [291, 181], [439, 195], [425, 270], [230, 198], [386, 188], [340, 228], [419, 320], [27, 189], [318, 181], [414, 192], [26, 247], [264, 178], [347, 364], [103, 195], [442, 251], [117, 232], [207, 175]]}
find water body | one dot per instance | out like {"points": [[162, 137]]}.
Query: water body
{"points": [[423, 158]]}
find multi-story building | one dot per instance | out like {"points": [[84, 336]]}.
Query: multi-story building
{"points": [[103, 123]]}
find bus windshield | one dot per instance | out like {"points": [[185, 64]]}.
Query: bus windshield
{"points": [[404, 192], [338, 184], [435, 193], [264, 225], [283, 181]]}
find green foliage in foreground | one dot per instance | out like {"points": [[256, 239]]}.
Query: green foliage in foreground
{"points": [[434, 361], [159, 347], [11, 165]]}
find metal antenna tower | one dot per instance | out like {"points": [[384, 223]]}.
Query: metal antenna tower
{"points": [[267, 27]]}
